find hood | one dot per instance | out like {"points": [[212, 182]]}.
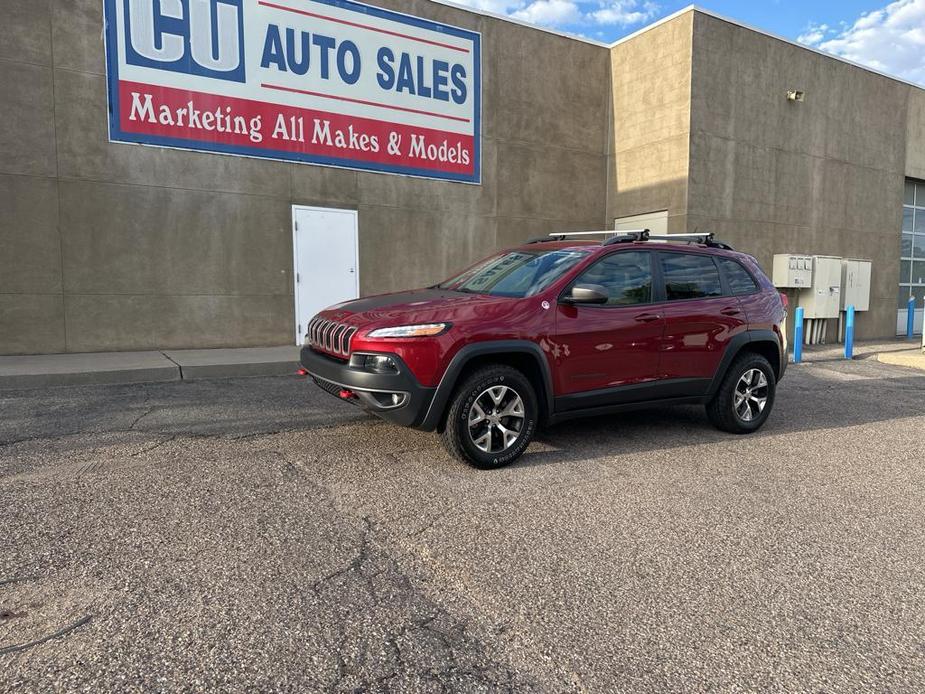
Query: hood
{"points": [[417, 306]]}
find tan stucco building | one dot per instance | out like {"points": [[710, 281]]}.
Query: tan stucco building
{"points": [[685, 124]]}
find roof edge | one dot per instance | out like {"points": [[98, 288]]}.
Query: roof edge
{"points": [[520, 22], [797, 44], [664, 20]]}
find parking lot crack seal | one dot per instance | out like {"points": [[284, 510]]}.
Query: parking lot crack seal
{"points": [[4, 650]]}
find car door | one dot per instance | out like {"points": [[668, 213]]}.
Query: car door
{"points": [[607, 346], [701, 317]]}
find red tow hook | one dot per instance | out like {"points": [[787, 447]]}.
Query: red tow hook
{"points": [[301, 372], [346, 394]]}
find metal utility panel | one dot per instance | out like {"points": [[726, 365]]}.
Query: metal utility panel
{"points": [[855, 284], [822, 299], [792, 270]]}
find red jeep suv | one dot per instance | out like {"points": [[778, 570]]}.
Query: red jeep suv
{"points": [[558, 328]]}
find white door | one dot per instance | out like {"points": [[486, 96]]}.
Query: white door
{"points": [[655, 222], [324, 242]]}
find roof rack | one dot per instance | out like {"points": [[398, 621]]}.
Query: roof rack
{"points": [[636, 235], [563, 235], [702, 238]]}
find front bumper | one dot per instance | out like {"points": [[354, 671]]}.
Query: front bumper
{"points": [[373, 392]]}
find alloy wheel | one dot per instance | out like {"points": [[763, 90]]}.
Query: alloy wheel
{"points": [[751, 395], [496, 419]]}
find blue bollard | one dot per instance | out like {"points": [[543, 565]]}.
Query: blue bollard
{"points": [[849, 333], [910, 318], [798, 335]]}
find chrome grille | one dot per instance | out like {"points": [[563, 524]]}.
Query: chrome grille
{"points": [[331, 337]]}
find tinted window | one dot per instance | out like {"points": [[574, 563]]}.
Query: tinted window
{"points": [[627, 277], [740, 282], [690, 276], [515, 273]]}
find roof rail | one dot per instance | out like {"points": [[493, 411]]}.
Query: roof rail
{"points": [[636, 235], [702, 238]]}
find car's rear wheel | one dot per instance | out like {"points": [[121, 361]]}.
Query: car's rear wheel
{"points": [[492, 417], [745, 397]]}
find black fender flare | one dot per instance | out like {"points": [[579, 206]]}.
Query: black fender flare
{"points": [[737, 344], [465, 355]]}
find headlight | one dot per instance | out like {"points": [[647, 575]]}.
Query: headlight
{"points": [[424, 330]]}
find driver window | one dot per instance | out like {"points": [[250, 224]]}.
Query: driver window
{"points": [[625, 276]]}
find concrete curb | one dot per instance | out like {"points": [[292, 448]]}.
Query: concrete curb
{"points": [[107, 368], [913, 359]]}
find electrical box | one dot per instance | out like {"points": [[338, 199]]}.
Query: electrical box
{"points": [[855, 284], [792, 270], [822, 298]]}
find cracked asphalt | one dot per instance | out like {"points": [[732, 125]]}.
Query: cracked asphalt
{"points": [[256, 534]]}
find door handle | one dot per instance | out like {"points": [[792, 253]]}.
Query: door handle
{"points": [[731, 311], [647, 317]]}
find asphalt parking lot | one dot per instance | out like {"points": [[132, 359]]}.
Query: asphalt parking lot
{"points": [[256, 534]]}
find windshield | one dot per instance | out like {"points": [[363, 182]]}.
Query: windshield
{"points": [[516, 274]]}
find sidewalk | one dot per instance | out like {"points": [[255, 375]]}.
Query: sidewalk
{"points": [[867, 348], [43, 370]]}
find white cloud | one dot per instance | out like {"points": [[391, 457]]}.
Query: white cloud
{"points": [[814, 34], [891, 39], [549, 12], [624, 12], [571, 13]]}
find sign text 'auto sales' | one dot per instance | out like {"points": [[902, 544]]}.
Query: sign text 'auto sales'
{"points": [[319, 81]]}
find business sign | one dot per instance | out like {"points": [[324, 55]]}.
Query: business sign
{"points": [[331, 82]]}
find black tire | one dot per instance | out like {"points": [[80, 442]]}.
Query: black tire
{"points": [[456, 436], [726, 410]]}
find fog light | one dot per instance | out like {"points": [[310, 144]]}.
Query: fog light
{"points": [[380, 364]]}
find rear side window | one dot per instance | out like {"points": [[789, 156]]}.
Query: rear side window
{"points": [[627, 277], [689, 276], [740, 281]]}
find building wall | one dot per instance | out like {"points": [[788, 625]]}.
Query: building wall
{"points": [[650, 139], [824, 176], [119, 247]]}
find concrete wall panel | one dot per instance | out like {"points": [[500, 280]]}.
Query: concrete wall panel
{"points": [[27, 138], [406, 248], [324, 186], [31, 323], [143, 240], [30, 248], [100, 323], [650, 138], [77, 27], [26, 35], [551, 183], [534, 97], [915, 135]]}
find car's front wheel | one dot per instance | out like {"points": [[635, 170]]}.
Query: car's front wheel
{"points": [[745, 397], [492, 417]]}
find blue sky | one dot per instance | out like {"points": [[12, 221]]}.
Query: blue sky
{"points": [[888, 36]]}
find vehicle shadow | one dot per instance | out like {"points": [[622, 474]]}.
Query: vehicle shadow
{"points": [[806, 402]]}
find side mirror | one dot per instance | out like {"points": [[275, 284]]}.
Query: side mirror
{"points": [[586, 294]]}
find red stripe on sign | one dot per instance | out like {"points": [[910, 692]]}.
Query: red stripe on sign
{"points": [[364, 102], [306, 13], [255, 127]]}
